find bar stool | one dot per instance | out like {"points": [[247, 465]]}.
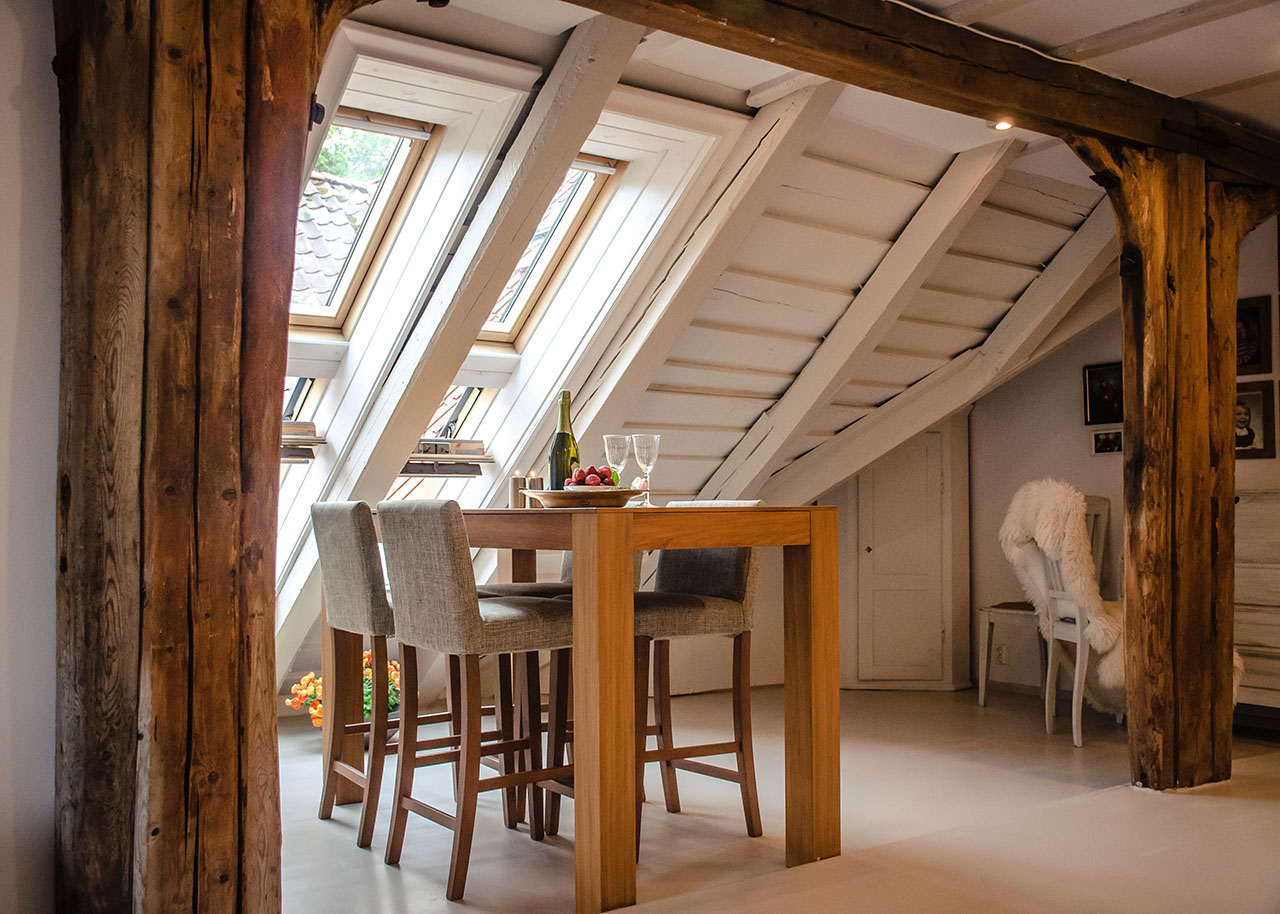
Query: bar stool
{"points": [[355, 604], [698, 592], [436, 607]]}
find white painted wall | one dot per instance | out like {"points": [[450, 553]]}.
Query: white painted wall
{"points": [[29, 319], [1033, 427]]}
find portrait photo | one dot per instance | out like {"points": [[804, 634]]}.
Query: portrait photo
{"points": [[1253, 336], [1255, 420], [1103, 394], [1108, 442]]}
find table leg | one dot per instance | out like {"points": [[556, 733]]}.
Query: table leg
{"points": [[340, 667], [812, 693], [603, 726]]}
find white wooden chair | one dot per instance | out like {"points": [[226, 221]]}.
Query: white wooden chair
{"points": [[1070, 623]]}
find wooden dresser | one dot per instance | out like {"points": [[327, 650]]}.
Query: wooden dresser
{"points": [[1257, 629]]}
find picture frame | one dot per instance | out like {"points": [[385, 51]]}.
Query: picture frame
{"points": [[1253, 335], [1255, 420], [1103, 394], [1108, 441]]}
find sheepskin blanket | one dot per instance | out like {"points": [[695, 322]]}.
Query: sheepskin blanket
{"points": [[1046, 519]]}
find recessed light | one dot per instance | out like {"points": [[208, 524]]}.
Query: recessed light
{"points": [[1003, 124]]}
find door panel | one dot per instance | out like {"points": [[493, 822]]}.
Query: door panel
{"points": [[900, 609]]}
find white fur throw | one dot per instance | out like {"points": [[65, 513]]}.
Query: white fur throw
{"points": [[1046, 519]]}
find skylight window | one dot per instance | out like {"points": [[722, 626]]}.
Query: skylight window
{"points": [[360, 175], [547, 249]]}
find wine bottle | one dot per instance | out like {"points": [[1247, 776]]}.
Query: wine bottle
{"points": [[564, 447]]}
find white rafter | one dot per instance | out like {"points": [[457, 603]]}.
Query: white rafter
{"points": [[1162, 25], [863, 326], [559, 122], [1020, 337], [767, 150], [967, 12]]}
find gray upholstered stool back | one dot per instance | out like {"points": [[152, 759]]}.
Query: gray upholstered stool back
{"points": [[728, 573], [355, 592], [432, 579], [566, 568]]}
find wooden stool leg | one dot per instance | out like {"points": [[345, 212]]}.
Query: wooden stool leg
{"points": [[507, 730], [742, 732], [985, 625], [468, 787], [377, 742], [662, 717], [455, 710], [333, 733], [406, 753], [560, 675], [642, 725], [532, 731]]}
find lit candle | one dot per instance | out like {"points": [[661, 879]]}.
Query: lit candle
{"points": [[534, 482], [515, 498]]}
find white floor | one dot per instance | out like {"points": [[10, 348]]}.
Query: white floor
{"points": [[946, 807]]}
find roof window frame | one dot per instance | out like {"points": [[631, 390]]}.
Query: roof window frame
{"points": [[351, 289], [548, 270]]}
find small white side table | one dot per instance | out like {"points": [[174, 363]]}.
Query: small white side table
{"points": [[1019, 612]]}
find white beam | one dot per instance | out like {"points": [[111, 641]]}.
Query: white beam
{"points": [[771, 90], [967, 12], [1077, 267], [764, 155], [912, 258], [1168, 23], [559, 122]]}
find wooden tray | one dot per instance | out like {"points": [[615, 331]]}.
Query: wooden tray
{"points": [[583, 497]]}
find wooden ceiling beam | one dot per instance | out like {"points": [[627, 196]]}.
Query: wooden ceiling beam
{"points": [[900, 51]]}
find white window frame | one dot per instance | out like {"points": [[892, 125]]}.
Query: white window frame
{"points": [[385, 214], [475, 98], [562, 247], [669, 151]]}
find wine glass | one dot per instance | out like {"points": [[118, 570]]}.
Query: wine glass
{"points": [[646, 447], [615, 453]]}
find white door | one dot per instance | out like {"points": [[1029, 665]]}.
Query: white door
{"points": [[900, 610]]}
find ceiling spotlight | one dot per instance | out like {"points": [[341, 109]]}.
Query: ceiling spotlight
{"points": [[1003, 124]]}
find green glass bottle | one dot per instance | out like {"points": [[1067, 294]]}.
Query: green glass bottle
{"points": [[564, 447]]}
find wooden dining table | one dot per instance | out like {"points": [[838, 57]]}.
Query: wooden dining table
{"points": [[603, 541]]}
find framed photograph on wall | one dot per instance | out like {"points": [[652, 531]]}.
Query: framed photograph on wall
{"points": [[1255, 420], [1108, 442], [1103, 394], [1253, 335]]}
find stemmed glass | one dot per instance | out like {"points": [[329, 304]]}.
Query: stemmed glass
{"points": [[615, 453], [646, 447]]}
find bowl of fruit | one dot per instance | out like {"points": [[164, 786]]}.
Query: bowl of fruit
{"points": [[588, 487]]}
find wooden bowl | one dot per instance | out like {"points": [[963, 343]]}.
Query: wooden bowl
{"points": [[583, 497]]}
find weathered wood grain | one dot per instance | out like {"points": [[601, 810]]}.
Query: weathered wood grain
{"points": [[895, 49], [183, 130], [1179, 237], [1232, 211]]}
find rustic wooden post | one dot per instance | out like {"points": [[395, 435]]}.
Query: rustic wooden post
{"points": [[1179, 236], [183, 129]]}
